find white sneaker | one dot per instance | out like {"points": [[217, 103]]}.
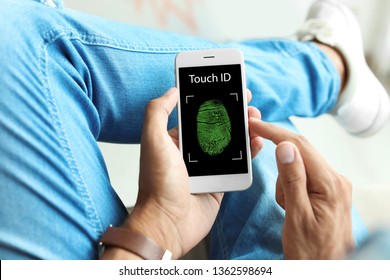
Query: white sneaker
{"points": [[363, 107]]}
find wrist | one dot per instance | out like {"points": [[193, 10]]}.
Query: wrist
{"points": [[116, 253], [121, 240], [151, 222]]}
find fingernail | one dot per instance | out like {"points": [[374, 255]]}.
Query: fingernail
{"points": [[285, 154]]}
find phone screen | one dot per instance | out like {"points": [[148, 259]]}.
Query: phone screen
{"points": [[213, 120]]}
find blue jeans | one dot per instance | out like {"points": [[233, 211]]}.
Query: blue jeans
{"points": [[69, 80]]}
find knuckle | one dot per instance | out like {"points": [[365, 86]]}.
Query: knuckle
{"points": [[292, 177], [339, 190], [301, 140], [154, 107], [345, 188], [279, 195]]}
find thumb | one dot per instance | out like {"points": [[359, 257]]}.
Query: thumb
{"points": [[158, 111], [292, 177]]}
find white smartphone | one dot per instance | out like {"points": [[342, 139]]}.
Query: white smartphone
{"points": [[213, 120]]}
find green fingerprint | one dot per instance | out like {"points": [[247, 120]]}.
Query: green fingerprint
{"points": [[213, 127]]}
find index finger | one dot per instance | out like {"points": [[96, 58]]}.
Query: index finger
{"points": [[312, 159]]}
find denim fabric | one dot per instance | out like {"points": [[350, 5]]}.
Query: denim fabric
{"points": [[69, 80]]}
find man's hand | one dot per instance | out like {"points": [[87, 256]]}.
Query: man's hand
{"points": [[317, 200], [165, 210]]}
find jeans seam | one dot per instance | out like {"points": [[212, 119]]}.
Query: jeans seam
{"points": [[104, 41], [220, 237], [90, 208], [290, 52]]}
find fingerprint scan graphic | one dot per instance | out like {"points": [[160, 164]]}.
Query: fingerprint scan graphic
{"points": [[213, 127]]}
